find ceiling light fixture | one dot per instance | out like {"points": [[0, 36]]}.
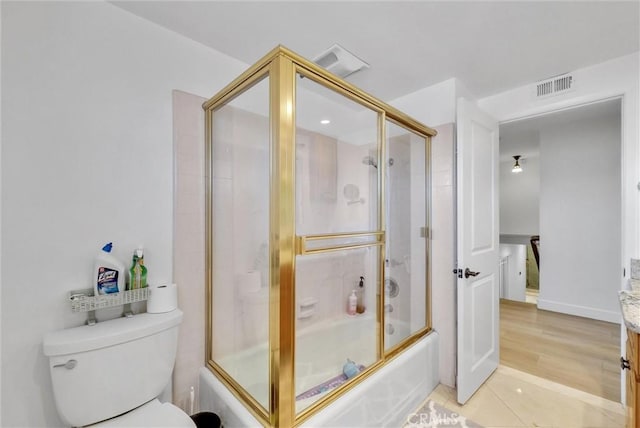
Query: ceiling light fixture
{"points": [[325, 121], [516, 167]]}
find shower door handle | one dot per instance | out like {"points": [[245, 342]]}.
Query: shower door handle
{"points": [[468, 273]]}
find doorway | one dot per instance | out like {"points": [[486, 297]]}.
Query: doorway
{"points": [[568, 196]]}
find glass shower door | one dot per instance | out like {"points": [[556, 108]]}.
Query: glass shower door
{"points": [[240, 262], [339, 241], [405, 283]]}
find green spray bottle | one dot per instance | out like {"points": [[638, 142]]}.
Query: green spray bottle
{"points": [[138, 271]]}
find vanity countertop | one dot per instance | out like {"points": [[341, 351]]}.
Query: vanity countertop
{"points": [[630, 304]]}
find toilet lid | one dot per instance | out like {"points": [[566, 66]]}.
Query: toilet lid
{"points": [[152, 414]]}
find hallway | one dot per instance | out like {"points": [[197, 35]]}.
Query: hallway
{"points": [[578, 352]]}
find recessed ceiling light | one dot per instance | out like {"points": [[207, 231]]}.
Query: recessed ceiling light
{"points": [[325, 121]]}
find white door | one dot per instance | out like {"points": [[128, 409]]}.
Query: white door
{"points": [[478, 248]]}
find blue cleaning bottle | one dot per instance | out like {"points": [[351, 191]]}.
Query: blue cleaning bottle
{"points": [[108, 273]]}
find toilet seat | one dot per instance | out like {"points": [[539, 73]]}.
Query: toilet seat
{"points": [[152, 414]]}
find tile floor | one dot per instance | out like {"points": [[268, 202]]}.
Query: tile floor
{"points": [[511, 398]]}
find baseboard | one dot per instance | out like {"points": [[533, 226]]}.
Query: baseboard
{"points": [[581, 311]]}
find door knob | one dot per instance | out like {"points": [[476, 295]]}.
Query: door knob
{"points": [[468, 273], [624, 364]]}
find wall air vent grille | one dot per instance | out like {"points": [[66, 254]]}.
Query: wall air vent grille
{"points": [[554, 86], [340, 61]]}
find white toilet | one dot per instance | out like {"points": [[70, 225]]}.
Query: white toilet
{"points": [[111, 373]]}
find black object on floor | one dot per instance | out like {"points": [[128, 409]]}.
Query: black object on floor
{"points": [[206, 420]]}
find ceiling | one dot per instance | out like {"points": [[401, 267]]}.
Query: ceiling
{"points": [[522, 137], [489, 46]]}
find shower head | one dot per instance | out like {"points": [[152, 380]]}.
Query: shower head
{"points": [[369, 160]]}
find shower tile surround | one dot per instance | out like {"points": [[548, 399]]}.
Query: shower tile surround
{"points": [[443, 283], [189, 247]]}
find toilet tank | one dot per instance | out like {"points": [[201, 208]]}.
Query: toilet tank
{"points": [[114, 366]]}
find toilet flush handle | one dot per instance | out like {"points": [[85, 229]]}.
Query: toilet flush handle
{"points": [[68, 365]]}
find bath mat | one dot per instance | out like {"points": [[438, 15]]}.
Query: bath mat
{"points": [[433, 415], [326, 386]]}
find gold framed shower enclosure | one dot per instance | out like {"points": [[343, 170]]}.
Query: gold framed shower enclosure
{"points": [[276, 77]]}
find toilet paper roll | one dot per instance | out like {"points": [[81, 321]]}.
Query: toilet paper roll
{"points": [[248, 282], [162, 298]]}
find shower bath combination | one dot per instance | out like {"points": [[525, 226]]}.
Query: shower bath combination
{"points": [[280, 346]]}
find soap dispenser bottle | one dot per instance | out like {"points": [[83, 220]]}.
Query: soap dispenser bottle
{"points": [[352, 303], [360, 297]]}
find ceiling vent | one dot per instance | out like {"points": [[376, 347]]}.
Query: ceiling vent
{"points": [[554, 86], [340, 61]]}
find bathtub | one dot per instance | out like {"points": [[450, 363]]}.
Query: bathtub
{"points": [[384, 399]]}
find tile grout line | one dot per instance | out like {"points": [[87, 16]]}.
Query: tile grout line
{"points": [[524, 424], [585, 397]]}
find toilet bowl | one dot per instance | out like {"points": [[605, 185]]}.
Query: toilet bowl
{"points": [[152, 414], [110, 374]]}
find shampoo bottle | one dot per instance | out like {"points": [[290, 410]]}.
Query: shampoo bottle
{"points": [[352, 303], [108, 273], [138, 271]]}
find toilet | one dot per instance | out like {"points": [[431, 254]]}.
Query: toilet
{"points": [[110, 374]]}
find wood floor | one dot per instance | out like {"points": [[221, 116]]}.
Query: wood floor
{"points": [[578, 352]]}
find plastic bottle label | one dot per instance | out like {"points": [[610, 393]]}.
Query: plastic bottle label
{"points": [[107, 280]]}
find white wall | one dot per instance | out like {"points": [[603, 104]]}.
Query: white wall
{"points": [[513, 279], [520, 198], [1, 210], [86, 158], [433, 105], [580, 217], [605, 80]]}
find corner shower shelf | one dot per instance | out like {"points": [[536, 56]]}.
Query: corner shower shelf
{"points": [[85, 301]]}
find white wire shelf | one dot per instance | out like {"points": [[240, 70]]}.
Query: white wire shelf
{"points": [[85, 301]]}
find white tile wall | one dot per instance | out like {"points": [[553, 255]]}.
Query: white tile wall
{"points": [[188, 246], [443, 284]]}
